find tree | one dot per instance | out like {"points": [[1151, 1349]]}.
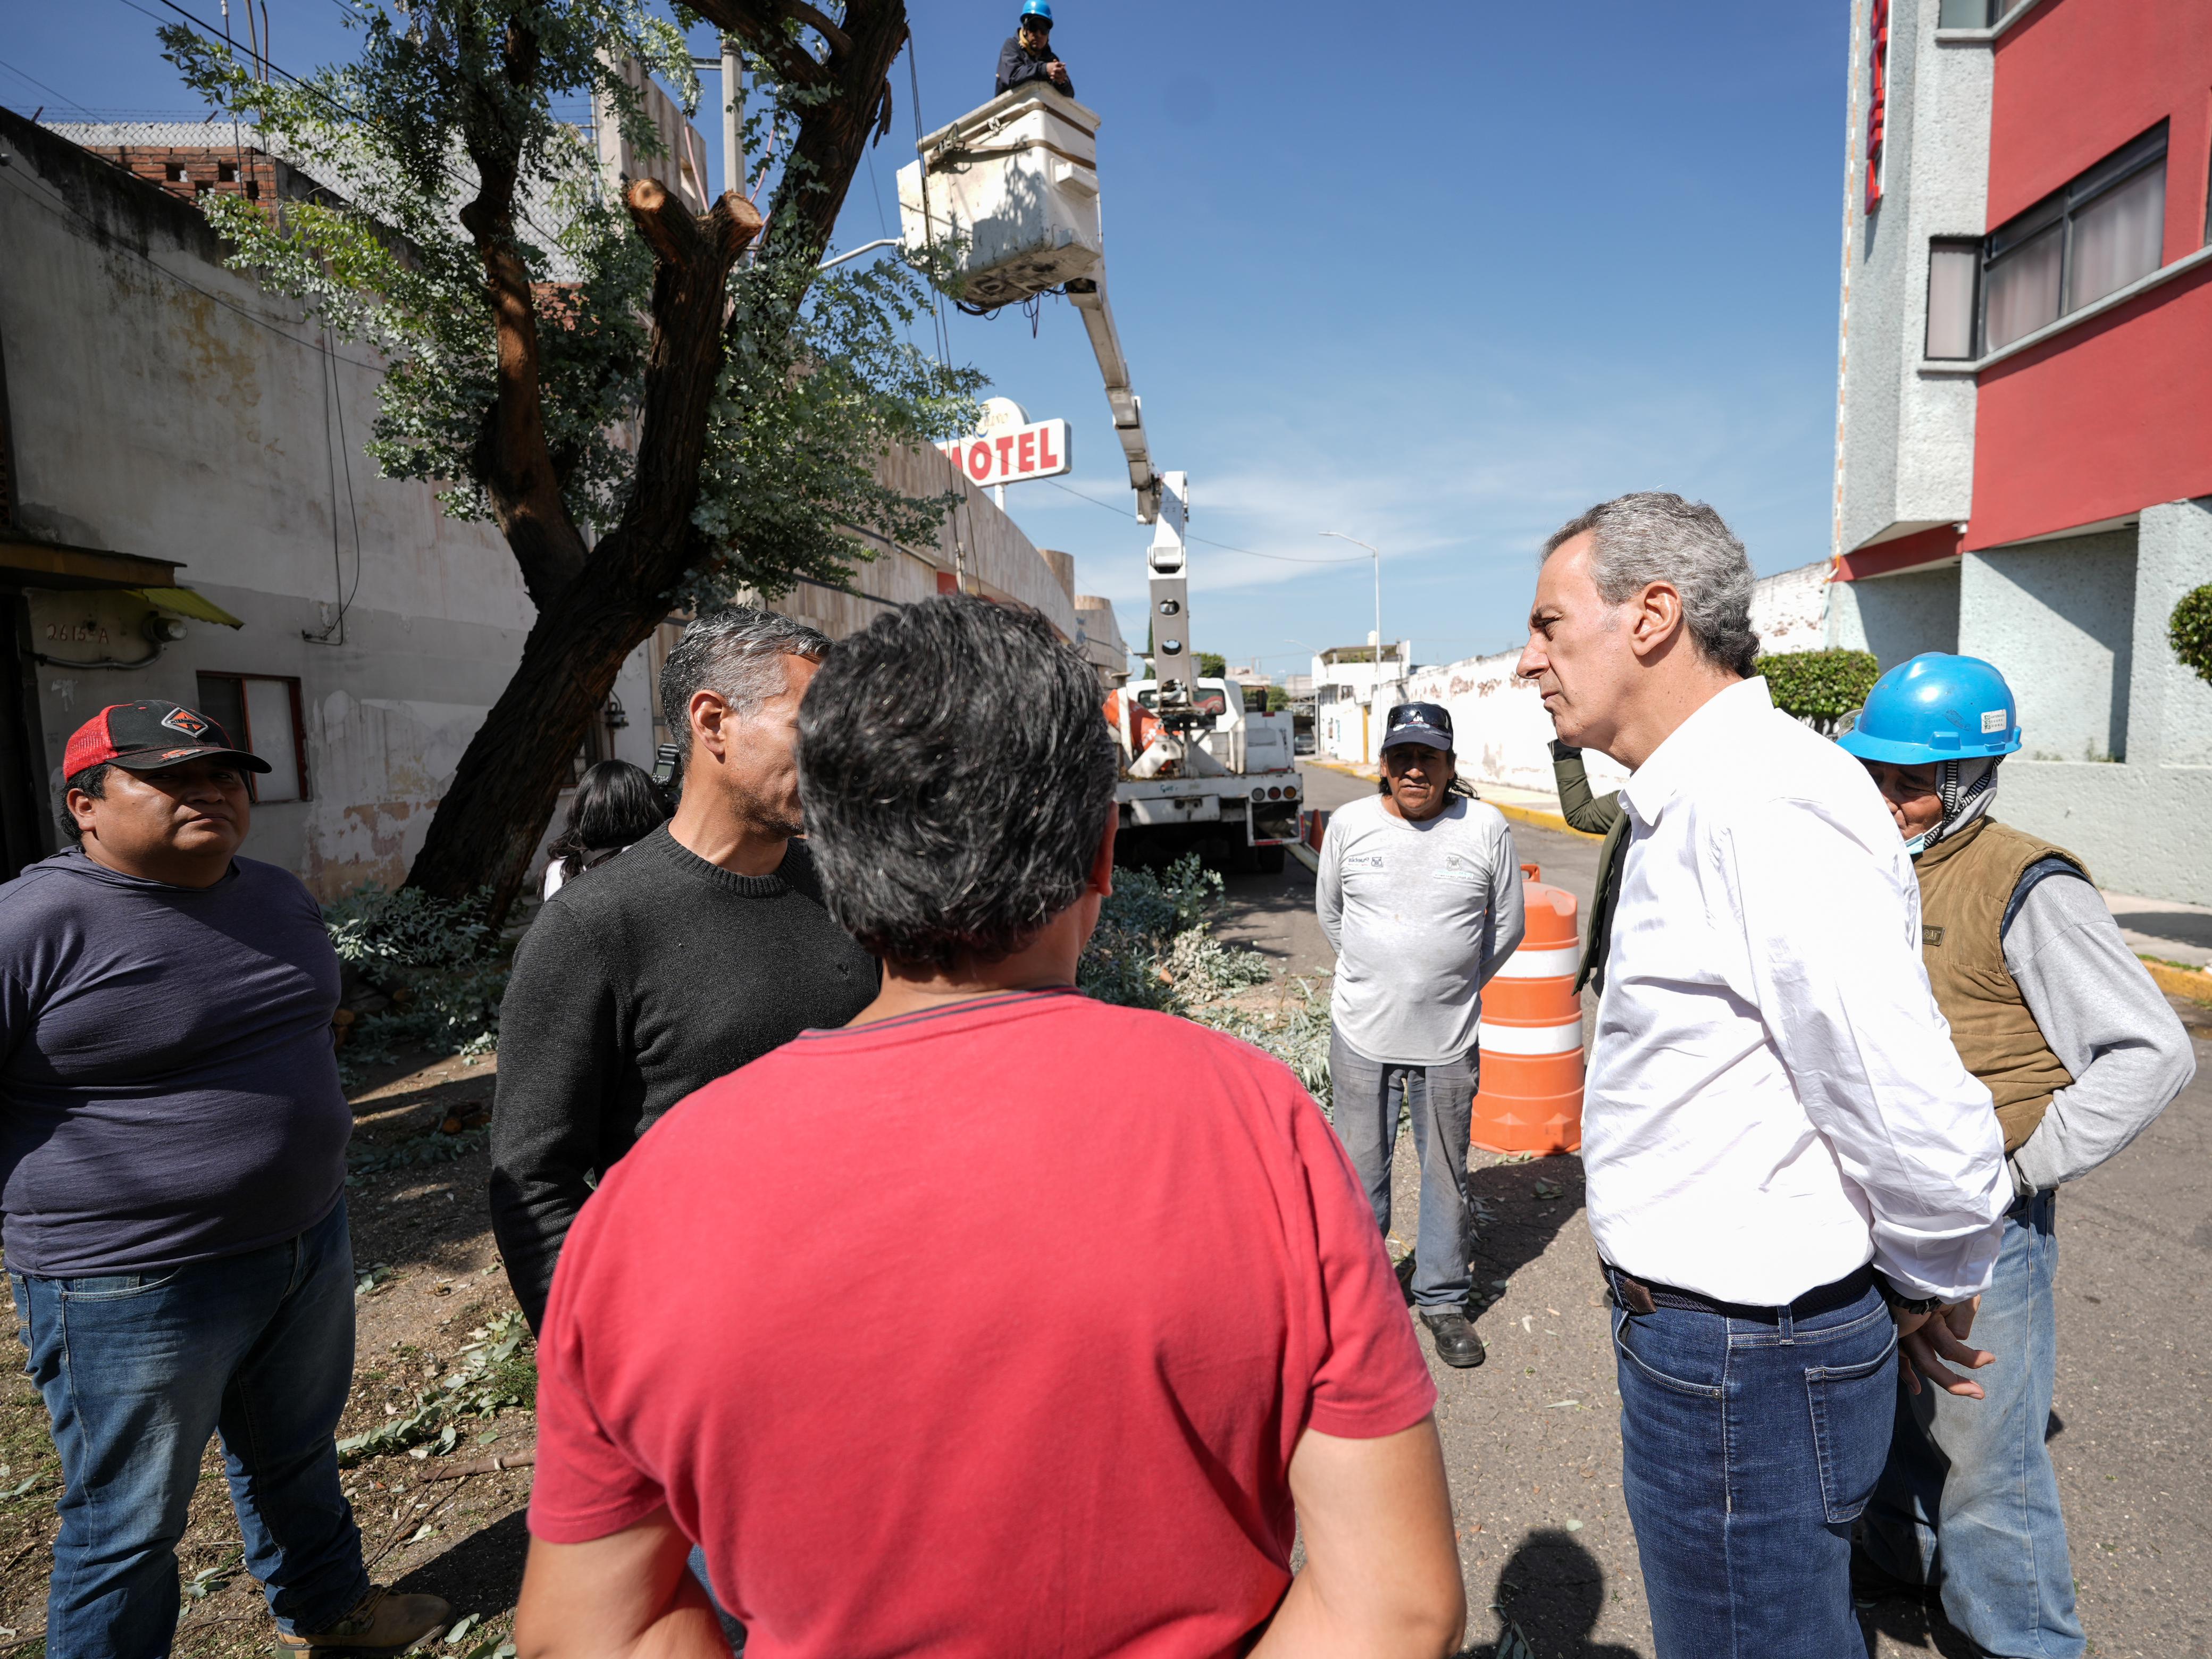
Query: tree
{"points": [[648, 421], [1212, 666]]}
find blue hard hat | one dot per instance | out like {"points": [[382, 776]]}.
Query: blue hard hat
{"points": [[1936, 708], [1035, 9]]}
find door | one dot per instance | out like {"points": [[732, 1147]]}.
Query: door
{"points": [[27, 832]]}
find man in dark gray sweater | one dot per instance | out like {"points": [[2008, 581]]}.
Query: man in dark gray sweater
{"points": [[690, 954]]}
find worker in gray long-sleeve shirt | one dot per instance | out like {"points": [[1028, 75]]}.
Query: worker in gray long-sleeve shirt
{"points": [[2079, 1051], [1419, 895]]}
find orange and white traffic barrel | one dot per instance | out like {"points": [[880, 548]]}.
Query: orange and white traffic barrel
{"points": [[1529, 1093]]}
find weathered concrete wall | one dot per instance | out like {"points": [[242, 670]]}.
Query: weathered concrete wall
{"points": [[1789, 610], [1906, 452], [165, 406], [2058, 618]]}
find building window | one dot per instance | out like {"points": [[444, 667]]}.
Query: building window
{"points": [[260, 713], [1954, 272], [2083, 241]]}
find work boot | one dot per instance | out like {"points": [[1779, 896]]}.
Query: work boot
{"points": [[383, 1621], [1457, 1344]]}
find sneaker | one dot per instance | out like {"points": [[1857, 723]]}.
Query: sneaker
{"points": [[1457, 1344], [384, 1621]]}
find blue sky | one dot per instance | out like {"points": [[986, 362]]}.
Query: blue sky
{"points": [[1437, 278]]}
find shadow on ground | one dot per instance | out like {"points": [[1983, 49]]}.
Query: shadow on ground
{"points": [[1519, 1210], [482, 1573], [1546, 1602], [1915, 1621]]}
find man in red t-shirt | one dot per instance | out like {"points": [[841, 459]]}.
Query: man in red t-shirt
{"points": [[999, 1322]]}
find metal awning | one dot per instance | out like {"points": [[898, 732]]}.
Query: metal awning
{"points": [[30, 562], [183, 602]]}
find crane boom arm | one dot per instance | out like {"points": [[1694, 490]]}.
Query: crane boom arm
{"points": [[1089, 294]]}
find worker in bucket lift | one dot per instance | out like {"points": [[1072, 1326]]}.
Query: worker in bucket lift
{"points": [[1029, 56], [2050, 1009]]}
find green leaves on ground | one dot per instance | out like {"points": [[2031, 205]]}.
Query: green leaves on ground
{"points": [[1819, 687], [440, 962], [497, 1369], [1154, 948], [2189, 630]]}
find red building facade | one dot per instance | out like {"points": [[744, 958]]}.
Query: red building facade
{"points": [[2024, 454]]}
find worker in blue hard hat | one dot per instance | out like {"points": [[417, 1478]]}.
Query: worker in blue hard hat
{"points": [[1029, 56], [2079, 1050]]}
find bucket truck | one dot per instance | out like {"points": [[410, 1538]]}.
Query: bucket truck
{"points": [[1008, 196]]}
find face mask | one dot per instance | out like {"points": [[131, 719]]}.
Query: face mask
{"points": [[1917, 845]]}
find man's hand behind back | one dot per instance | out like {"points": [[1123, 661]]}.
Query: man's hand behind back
{"points": [[1925, 1341]]}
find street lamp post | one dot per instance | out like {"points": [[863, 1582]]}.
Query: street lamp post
{"points": [[1375, 658]]}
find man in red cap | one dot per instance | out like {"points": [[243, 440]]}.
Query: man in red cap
{"points": [[172, 1175]]}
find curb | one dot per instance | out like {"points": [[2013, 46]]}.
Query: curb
{"points": [[1541, 818], [2194, 983]]}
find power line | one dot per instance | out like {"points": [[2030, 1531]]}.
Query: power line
{"points": [[67, 102], [1249, 552]]}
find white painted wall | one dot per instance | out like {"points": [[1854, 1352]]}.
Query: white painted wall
{"points": [[2058, 618], [2145, 826], [1897, 617]]}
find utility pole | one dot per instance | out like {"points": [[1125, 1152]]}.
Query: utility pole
{"points": [[729, 67], [734, 119]]}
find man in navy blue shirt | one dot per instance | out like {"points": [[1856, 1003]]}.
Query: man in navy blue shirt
{"points": [[172, 1171]]}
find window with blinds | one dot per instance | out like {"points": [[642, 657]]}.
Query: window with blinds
{"points": [[2089, 238]]}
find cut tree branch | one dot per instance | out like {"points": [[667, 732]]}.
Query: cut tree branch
{"points": [[513, 461]]}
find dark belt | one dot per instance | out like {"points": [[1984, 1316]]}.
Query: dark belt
{"points": [[1641, 1296]]}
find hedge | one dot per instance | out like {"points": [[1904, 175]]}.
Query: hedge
{"points": [[1820, 686], [2191, 631]]}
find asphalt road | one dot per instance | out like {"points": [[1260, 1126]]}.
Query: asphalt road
{"points": [[1533, 1438]]}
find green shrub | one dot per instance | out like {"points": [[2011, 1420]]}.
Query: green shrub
{"points": [[1821, 687], [1154, 948], [440, 964], [2189, 631]]}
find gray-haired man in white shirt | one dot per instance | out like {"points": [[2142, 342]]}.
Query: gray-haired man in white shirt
{"points": [[1779, 1136]]}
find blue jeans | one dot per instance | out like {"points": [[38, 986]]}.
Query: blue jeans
{"points": [[1748, 1447], [138, 1370], [1440, 1099], [1970, 1502]]}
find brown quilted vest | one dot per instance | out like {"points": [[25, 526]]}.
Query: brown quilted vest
{"points": [[1965, 882]]}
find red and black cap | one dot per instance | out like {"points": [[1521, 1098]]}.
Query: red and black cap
{"points": [[148, 735]]}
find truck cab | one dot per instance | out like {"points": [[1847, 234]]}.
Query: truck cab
{"points": [[1233, 794]]}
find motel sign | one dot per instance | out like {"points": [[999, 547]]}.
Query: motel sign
{"points": [[1035, 449]]}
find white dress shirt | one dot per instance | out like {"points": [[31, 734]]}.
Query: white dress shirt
{"points": [[1773, 1097]]}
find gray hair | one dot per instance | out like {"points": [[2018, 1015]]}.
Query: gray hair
{"points": [[1654, 536], [734, 652]]}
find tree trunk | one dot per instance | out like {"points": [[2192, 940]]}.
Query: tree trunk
{"points": [[594, 610], [486, 829]]}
